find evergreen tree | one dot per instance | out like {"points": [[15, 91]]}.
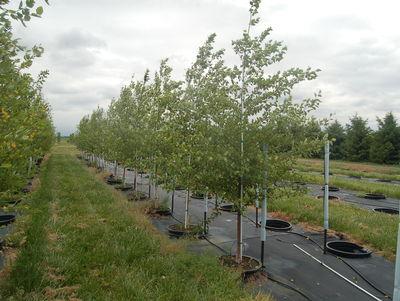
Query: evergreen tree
{"points": [[336, 131], [385, 147], [357, 141]]}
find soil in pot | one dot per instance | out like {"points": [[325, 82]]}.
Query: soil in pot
{"points": [[374, 196], [6, 219], [113, 180], [347, 249], [158, 212], [178, 230], [123, 187], [387, 210], [248, 266], [137, 196]]}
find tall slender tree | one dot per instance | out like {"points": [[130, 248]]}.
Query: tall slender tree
{"points": [[336, 132], [358, 139], [385, 146]]}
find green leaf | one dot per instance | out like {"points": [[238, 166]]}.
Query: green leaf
{"points": [[30, 3], [39, 10]]}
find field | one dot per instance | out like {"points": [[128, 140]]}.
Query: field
{"points": [[366, 170], [79, 240]]}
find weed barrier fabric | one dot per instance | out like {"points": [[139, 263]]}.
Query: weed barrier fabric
{"points": [[285, 262], [353, 198]]}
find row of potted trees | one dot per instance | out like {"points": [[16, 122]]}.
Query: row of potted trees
{"points": [[206, 132], [26, 130]]}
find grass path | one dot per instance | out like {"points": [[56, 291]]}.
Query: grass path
{"points": [[81, 241]]}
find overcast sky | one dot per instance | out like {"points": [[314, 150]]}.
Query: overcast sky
{"points": [[93, 47]]}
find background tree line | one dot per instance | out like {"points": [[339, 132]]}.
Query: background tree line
{"points": [[356, 141]]}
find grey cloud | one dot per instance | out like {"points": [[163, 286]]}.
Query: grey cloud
{"points": [[343, 22], [359, 60], [75, 39]]}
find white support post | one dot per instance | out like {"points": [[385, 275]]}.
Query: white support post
{"points": [[263, 232], [187, 208], [396, 291], [326, 194]]}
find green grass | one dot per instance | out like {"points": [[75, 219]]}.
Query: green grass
{"points": [[361, 186], [366, 170], [377, 230], [82, 240]]}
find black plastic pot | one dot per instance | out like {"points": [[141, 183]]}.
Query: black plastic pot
{"points": [[113, 180], [374, 196], [137, 196], [25, 190], [387, 210], [331, 197], [9, 202], [331, 188], [124, 187], [229, 207], [175, 231], [384, 180], [6, 219], [198, 196], [278, 225], [39, 161], [163, 212], [347, 249], [253, 265]]}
